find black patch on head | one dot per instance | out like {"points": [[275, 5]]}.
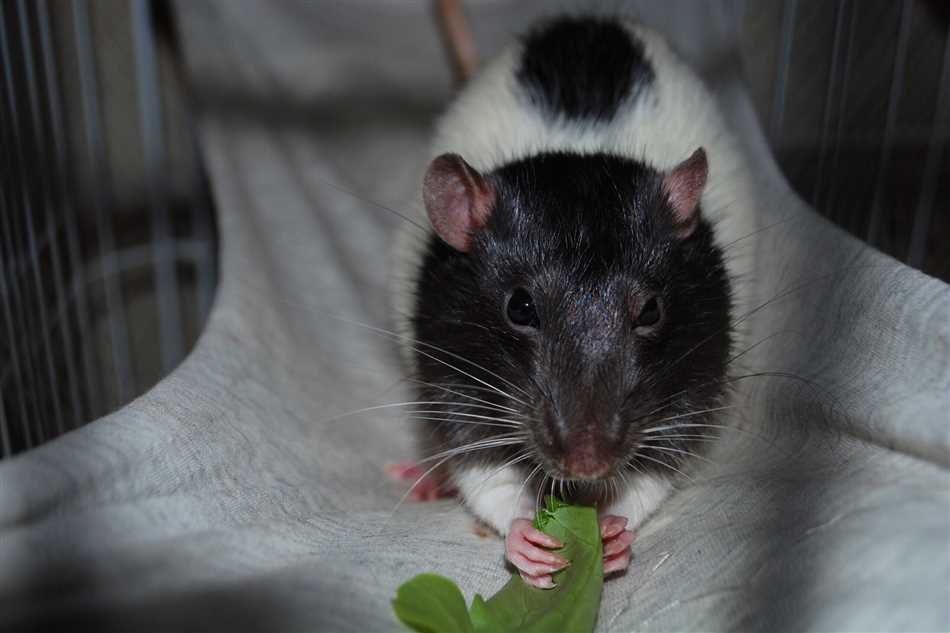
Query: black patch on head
{"points": [[582, 68]]}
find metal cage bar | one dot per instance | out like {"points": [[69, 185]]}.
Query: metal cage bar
{"points": [[789, 11], [24, 331], [65, 197], [927, 202], [893, 102], [36, 190], [163, 247], [88, 82]]}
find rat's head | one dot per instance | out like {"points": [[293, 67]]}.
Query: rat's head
{"points": [[580, 296]]}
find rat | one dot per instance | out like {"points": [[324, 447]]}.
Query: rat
{"points": [[567, 317]]}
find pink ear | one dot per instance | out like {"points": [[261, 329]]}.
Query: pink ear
{"points": [[458, 200], [683, 186]]}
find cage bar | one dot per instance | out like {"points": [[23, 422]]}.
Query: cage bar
{"points": [[789, 11], [36, 189], [927, 202], [62, 182], [88, 83], [163, 246], [24, 331], [893, 102]]}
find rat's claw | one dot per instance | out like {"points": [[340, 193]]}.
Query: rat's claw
{"points": [[524, 548], [541, 582], [616, 543], [618, 563]]}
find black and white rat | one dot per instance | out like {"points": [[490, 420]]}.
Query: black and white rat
{"points": [[568, 317]]}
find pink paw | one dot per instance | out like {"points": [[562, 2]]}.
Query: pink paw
{"points": [[527, 549], [524, 548], [424, 487], [616, 542]]}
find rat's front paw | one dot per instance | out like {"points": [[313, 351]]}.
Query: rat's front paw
{"points": [[524, 548], [616, 541]]}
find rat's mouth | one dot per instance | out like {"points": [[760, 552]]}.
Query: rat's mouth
{"points": [[583, 491], [587, 471]]}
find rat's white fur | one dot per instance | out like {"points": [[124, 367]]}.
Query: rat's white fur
{"points": [[498, 497], [492, 123]]}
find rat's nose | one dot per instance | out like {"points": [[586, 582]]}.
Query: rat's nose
{"points": [[585, 457]]}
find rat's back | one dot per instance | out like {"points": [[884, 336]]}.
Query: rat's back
{"points": [[587, 85]]}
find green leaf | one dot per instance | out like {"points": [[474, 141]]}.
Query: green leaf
{"points": [[575, 601], [483, 618], [432, 604]]}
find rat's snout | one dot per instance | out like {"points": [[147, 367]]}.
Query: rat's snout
{"points": [[582, 448]]}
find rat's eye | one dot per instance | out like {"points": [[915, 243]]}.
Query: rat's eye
{"points": [[650, 314], [521, 310]]}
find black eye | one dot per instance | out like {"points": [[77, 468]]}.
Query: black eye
{"points": [[650, 313], [521, 310]]}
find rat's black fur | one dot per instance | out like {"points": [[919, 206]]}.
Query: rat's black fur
{"points": [[588, 236]]}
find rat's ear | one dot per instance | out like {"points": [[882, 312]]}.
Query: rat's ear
{"points": [[683, 186], [458, 199]]}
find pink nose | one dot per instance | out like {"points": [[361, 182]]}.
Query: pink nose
{"points": [[584, 459]]}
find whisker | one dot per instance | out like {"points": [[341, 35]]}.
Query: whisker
{"points": [[467, 415], [727, 246], [362, 198], [764, 339], [541, 490], [427, 418], [678, 451], [501, 440], [635, 467], [465, 373], [519, 457], [778, 297], [691, 425], [662, 463], [692, 413], [680, 436], [531, 474], [464, 395], [392, 405], [413, 342], [668, 401]]}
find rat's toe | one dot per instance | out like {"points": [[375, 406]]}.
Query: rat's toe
{"points": [[529, 558], [611, 525], [618, 543]]}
